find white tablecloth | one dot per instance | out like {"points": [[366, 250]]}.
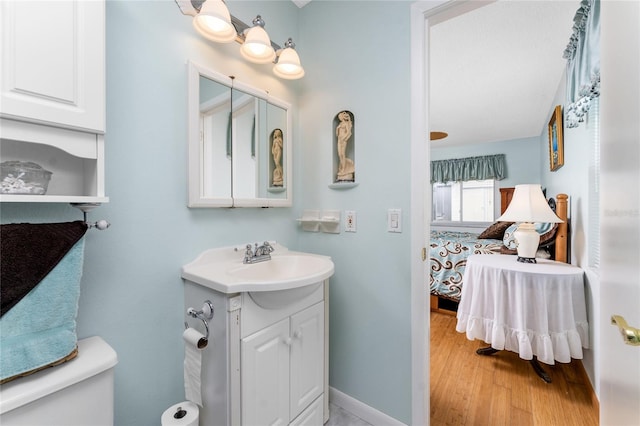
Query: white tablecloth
{"points": [[532, 309]]}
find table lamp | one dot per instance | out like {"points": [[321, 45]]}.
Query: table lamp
{"points": [[527, 206]]}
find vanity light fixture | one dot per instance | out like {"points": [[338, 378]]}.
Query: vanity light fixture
{"points": [[257, 46], [213, 21], [527, 206], [288, 62]]}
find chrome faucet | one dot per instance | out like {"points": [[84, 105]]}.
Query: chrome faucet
{"points": [[258, 254]]}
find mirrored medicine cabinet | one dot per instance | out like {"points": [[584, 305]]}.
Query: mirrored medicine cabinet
{"points": [[239, 143]]}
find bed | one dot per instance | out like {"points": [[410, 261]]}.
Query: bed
{"points": [[448, 251]]}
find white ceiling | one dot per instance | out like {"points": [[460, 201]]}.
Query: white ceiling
{"points": [[495, 70], [301, 3]]}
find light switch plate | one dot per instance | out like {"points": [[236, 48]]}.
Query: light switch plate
{"points": [[350, 221], [394, 220]]}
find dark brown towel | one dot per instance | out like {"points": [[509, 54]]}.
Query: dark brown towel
{"points": [[28, 252]]}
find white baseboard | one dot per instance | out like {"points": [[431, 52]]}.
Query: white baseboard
{"points": [[362, 410]]}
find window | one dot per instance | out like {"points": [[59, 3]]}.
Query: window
{"points": [[470, 201]]}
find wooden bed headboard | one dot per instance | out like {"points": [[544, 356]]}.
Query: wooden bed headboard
{"points": [[561, 242]]}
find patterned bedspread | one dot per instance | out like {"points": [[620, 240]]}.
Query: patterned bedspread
{"points": [[448, 257]]}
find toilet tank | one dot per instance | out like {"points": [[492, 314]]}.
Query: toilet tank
{"points": [[76, 393]]}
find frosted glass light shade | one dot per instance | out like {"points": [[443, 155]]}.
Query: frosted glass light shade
{"points": [[288, 65], [257, 46], [528, 205], [214, 22]]}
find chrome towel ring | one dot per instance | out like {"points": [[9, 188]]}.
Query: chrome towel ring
{"points": [[206, 313]]}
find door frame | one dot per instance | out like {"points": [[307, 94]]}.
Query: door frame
{"points": [[423, 15], [419, 155]]}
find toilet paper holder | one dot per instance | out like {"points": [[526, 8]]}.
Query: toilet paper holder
{"points": [[204, 314]]}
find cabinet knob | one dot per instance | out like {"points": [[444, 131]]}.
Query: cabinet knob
{"points": [[297, 334], [287, 341]]}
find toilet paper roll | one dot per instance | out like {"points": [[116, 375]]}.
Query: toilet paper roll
{"points": [[195, 338], [194, 343], [182, 414]]}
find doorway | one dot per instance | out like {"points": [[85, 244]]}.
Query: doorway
{"points": [[622, 16]]}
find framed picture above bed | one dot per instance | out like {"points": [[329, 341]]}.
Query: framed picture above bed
{"points": [[556, 142]]}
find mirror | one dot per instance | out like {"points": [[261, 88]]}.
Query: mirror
{"points": [[214, 111], [239, 144]]}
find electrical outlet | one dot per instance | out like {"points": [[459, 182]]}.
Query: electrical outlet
{"points": [[350, 221]]}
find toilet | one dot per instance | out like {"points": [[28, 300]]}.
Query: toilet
{"points": [[76, 393]]}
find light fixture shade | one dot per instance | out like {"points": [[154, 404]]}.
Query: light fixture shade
{"points": [[288, 65], [529, 205], [214, 22], [257, 46], [434, 136]]}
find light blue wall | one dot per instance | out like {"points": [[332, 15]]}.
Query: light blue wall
{"points": [[131, 291], [574, 179], [357, 58]]}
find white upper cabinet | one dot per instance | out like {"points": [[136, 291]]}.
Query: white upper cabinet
{"points": [[53, 63], [52, 95]]}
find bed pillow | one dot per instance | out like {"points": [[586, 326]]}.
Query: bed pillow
{"points": [[495, 231], [508, 239], [547, 233]]}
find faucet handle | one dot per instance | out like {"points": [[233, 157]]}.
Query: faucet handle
{"points": [[248, 253]]}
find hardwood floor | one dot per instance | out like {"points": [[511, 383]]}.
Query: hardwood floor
{"points": [[501, 389]]}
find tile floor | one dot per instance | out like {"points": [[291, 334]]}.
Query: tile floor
{"points": [[341, 417]]}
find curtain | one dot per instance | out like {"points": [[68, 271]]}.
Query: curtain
{"points": [[470, 168], [583, 62]]}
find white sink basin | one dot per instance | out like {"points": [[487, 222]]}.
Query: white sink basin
{"points": [[283, 268], [222, 270]]}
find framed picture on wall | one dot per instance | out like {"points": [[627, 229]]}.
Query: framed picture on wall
{"points": [[556, 143]]}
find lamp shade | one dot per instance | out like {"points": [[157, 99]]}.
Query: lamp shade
{"points": [[288, 65], [257, 46], [214, 22], [529, 205]]}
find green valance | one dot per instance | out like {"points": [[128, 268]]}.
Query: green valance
{"points": [[470, 168]]}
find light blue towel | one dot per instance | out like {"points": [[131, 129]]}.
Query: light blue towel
{"points": [[41, 328]]}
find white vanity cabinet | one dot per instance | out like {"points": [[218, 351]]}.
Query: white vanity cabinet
{"points": [[52, 94], [266, 363], [282, 368]]}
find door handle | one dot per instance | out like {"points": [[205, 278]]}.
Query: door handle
{"points": [[630, 335]]}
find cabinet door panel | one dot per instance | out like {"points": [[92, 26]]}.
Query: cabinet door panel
{"points": [[53, 66], [307, 357], [312, 416], [265, 376]]}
